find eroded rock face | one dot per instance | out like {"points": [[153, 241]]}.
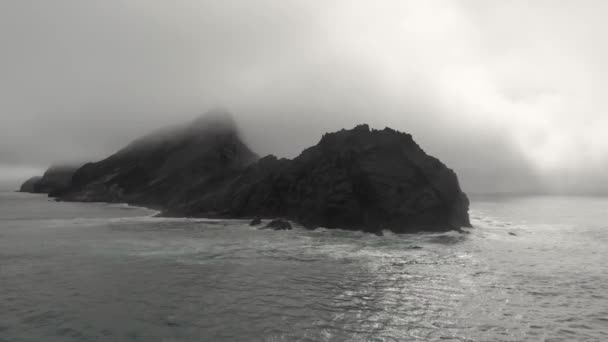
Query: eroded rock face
{"points": [[353, 179], [357, 179]]}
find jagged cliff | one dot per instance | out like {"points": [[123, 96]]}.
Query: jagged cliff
{"points": [[352, 179]]}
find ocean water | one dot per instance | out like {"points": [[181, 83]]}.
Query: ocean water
{"points": [[99, 272]]}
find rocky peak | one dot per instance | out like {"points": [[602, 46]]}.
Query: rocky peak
{"points": [[362, 139], [212, 128]]}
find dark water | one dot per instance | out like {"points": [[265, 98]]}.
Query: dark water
{"points": [[96, 272]]}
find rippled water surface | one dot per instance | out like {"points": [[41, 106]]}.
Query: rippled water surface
{"points": [[97, 272]]}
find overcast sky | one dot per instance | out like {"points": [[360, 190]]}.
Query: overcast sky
{"points": [[510, 94]]}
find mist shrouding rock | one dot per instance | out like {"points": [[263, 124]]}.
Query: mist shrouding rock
{"points": [[160, 169], [522, 106], [54, 181], [352, 179], [30, 185]]}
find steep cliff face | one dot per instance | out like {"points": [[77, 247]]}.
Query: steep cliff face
{"points": [[55, 180], [161, 168], [352, 179]]}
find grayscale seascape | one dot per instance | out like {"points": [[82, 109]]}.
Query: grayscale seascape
{"points": [[303, 170], [102, 272]]}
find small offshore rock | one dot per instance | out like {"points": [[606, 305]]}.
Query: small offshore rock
{"points": [[278, 225], [256, 221]]}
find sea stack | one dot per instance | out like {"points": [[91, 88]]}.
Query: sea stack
{"points": [[357, 179]]}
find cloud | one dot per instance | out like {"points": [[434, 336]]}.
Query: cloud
{"points": [[507, 93]]}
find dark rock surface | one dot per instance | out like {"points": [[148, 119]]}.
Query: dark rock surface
{"points": [[352, 179], [256, 221], [358, 179], [168, 167], [278, 225], [30, 185], [55, 180]]}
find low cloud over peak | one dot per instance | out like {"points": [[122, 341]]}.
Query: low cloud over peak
{"points": [[507, 93]]}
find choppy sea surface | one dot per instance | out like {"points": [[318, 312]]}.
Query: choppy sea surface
{"points": [[99, 272]]}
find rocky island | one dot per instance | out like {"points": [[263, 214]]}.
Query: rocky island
{"points": [[358, 179]]}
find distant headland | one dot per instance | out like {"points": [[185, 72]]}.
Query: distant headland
{"points": [[357, 179]]}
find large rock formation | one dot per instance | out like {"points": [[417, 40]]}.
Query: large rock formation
{"points": [[160, 169], [54, 181], [352, 179]]}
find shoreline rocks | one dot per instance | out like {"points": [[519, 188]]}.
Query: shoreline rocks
{"points": [[278, 225], [256, 221]]}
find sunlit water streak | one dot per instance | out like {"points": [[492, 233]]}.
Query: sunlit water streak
{"points": [[114, 273]]}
